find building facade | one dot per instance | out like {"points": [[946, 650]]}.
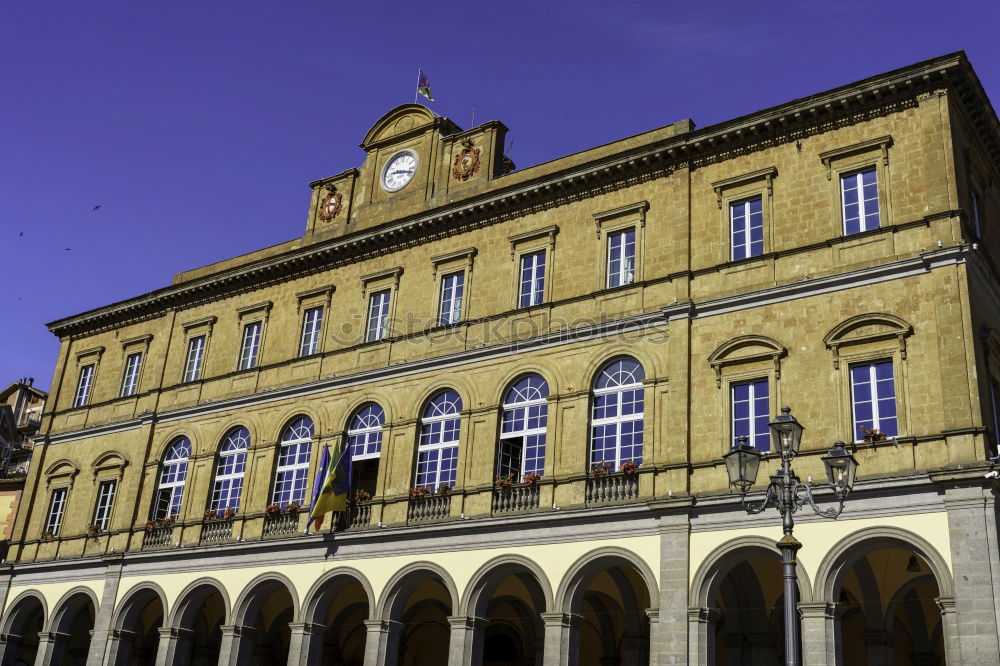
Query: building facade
{"points": [[21, 407], [538, 372]]}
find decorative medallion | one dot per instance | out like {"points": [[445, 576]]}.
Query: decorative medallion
{"points": [[466, 162], [331, 204]]}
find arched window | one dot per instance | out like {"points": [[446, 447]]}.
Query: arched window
{"points": [[522, 428], [229, 470], [616, 416], [173, 474], [364, 432], [293, 462], [437, 453]]}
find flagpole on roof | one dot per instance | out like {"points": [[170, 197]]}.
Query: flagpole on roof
{"points": [[417, 90]]}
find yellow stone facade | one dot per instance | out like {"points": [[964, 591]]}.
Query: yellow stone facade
{"points": [[474, 582]]}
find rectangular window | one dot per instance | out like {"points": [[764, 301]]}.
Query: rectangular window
{"points": [[56, 508], [750, 410], [378, 316], [532, 283], [873, 397], [250, 350], [859, 195], [196, 352], [976, 223], [747, 228], [452, 288], [312, 321], [83, 386], [621, 258], [130, 381], [105, 500]]}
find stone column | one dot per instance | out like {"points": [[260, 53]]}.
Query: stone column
{"points": [[668, 642], [382, 642], [561, 639], [879, 644], [120, 643], [819, 633], [174, 646], [975, 561], [701, 635], [9, 646], [51, 648], [306, 643], [99, 637], [237, 642], [466, 643], [634, 650]]}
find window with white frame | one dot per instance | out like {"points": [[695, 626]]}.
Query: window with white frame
{"points": [[230, 467], [621, 258], [293, 462], [173, 474], [250, 349], [196, 352], [130, 381], [617, 413], [437, 453], [83, 385], [859, 198], [977, 226], [750, 409], [312, 322], [532, 279], [522, 428], [452, 289], [873, 399], [105, 500], [57, 507], [746, 220], [378, 315], [364, 432]]}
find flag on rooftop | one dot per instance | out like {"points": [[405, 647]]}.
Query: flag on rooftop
{"points": [[423, 85]]}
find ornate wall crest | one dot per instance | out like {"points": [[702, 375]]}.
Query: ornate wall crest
{"points": [[330, 205], [466, 162]]}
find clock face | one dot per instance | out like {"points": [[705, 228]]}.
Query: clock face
{"points": [[399, 171]]}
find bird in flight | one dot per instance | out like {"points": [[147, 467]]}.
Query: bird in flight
{"points": [[21, 235], [97, 208], [66, 248]]}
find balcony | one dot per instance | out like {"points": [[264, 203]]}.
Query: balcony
{"points": [[281, 524], [428, 508], [515, 499], [612, 488], [217, 531], [158, 536]]}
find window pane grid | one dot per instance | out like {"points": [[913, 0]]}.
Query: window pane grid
{"points": [[196, 349], [859, 193], [378, 315], [750, 413], [364, 434], [621, 258], [130, 382], [532, 279], [873, 397], [229, 469], [83, 386], [617, 414], [312, 321], [293, 462], [105, 500], [173, 474], [56, 508], [251, 345], [437, 453], [747, 224], [522, 429], [452, 288]]}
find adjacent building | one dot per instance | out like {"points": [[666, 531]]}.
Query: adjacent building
{"points": [[21, 407], [538, 372]]}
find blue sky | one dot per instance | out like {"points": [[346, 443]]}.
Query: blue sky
{"points": [[197, 125]]}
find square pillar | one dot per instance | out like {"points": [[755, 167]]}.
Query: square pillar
{"points": [[668, 639], [949, 631], [97, 655], [382, 642], [51, 648], [174, 646], [466, 643], [561, 639], [820, 638], [701, 635], [237, 644], [119, 647], [305, 644]]}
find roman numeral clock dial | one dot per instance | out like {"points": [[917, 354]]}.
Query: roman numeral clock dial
{"points": [[399, 170]]}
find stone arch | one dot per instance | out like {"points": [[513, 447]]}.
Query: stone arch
{"points": [[193, 595], [534, 367], [24, 620], [708, 577], [389, 124], [229, 426], [454, 383], [249, 599], [483, 583], [291, 414], [69, 603], [109, 459], [59, 469], [578, 575], [169, 441], [855, 545], [867, 327], [606, 355], [404, 581], [15, 610], [328, 586], [127, 605], [747, 349], [343, 419]]}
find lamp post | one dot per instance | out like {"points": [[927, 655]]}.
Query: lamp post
{"points": [[789, 495]]}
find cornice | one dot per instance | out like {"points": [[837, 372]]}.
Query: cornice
{"points": [[722, 141]]}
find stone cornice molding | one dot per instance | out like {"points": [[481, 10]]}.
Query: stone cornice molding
{"points": [[720, 141]]}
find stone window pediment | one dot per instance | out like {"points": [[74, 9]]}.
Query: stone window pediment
{"points": [[62, 472], [747, 349], [865, 328]]}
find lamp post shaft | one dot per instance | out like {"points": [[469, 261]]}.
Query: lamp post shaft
{"points": [[789, 546]]}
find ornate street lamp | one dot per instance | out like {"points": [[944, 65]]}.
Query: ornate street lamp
{"points": [[789, 495]]}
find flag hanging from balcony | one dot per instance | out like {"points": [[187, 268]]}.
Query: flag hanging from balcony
{"points": [[321, 473], [333, 495], [423, 85]]}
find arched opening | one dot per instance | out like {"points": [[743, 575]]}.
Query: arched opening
{"points": [[267, 613], [200, 616], [610, 596], [750, 599], [341, 605], [514, 632], [426, 632], [888, 612], [139, 623], [70, 630], [24, 622]]}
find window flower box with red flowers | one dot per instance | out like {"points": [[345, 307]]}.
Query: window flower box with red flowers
{"points": [[600, 469], [628, 468], [362, 496], [532, 478], [419, 492], [48, 536], [870, 435], [93, 530], [504, 481]]}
